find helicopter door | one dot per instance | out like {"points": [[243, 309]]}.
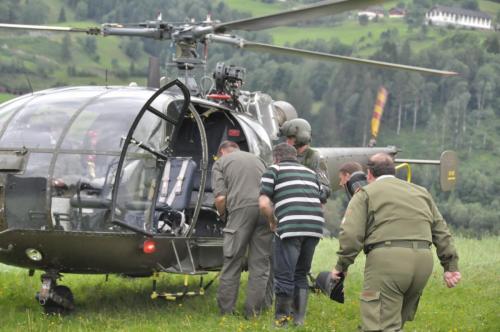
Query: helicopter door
{"points": [[145, 153]]}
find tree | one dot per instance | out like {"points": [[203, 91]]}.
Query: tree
{"points": [[82, 10], [470, 4], [363, 19], [62, 15], [484, 85], [90, 45], [492, 43], [66, 48], [34, 12], [132, 48]]}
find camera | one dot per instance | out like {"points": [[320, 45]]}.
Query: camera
{"points": [[228, 78]]}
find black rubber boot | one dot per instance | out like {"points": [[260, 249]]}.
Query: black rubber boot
{"points": [[282, 310], [299, 306]]}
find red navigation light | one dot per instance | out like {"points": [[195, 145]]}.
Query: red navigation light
{"points": [[219, 96], [149, 247], [233, 132]]}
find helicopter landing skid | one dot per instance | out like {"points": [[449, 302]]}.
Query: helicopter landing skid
{"points": [[185, 291]]}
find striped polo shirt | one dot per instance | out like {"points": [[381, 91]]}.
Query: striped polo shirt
{"points": [[295, 192]]}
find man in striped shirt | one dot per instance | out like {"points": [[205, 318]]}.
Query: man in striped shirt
{"points": [[290, 201]]}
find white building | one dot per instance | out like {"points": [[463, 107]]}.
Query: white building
{"points": [[441, 15], [397, 12], [372, 12]]}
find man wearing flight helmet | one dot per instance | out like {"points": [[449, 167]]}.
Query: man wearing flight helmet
{"points": [[298, 134]]}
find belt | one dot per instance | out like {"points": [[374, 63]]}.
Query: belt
{"points": [[413, 244]]}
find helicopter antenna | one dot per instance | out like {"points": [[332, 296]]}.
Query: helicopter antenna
{"points": [[207, 84]]}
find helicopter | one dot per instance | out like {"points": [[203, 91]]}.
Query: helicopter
{"points": [[116, 179]]}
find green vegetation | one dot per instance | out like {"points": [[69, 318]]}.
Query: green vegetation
{"points": [[349, 32], [255, 7], [424, 114], [5, 97], [490, 7], [123, 304]]}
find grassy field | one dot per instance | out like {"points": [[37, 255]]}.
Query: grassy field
{"points": [[348, 33], [255, 7], [490, 7], [5, 97], [124, 305]]}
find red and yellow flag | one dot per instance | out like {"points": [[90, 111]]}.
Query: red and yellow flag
{"points": [[378, 110]]}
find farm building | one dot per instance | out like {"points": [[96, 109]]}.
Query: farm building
{"points": [[441, 15]]}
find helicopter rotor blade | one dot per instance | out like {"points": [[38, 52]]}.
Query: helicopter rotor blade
{"points": [[280, 50], [313, 11], [90, 31]]}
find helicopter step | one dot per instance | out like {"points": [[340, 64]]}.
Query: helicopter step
{"points": [[55, 299], [185, 292], [196, 250], [186, 267]]}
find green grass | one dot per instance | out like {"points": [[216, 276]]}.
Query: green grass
{"points": [[348, 33], [489, 7], [5, 97], [124, 305], [255, 7]]}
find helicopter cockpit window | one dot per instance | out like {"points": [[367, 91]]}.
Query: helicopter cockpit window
{"points": [[25, 200], [174, 109], [9, 108], [83, 180], [40, 123]]}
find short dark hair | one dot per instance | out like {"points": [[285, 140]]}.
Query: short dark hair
{"points": [[284, 151], [228, 144], [381, 164], [351, 167]]}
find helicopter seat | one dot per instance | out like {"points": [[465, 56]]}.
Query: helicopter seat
{"points": [[175, 193]]}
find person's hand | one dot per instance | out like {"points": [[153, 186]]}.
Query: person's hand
{"points": [[451, 279], [336, 274], [273, 226]]}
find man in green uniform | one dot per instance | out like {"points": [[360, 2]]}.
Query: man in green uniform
{"points": [[394, 222], [235, 182], [298, 134]]}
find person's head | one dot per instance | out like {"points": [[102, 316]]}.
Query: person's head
{"points": [[297, 132], [226, 147], [380, 164], [283, 151], [346, 169]]}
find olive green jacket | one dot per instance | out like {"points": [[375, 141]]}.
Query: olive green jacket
{"points": [[393, 209], [313, 160], [237, 176]]}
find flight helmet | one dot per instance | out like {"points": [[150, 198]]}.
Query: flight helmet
{"points": [[299, 128]]}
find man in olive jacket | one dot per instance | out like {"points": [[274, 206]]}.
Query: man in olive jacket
{"points": [[236, 182], [395, 223]]}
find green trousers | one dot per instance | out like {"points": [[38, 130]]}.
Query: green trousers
{"points": [[245, 230], [394, 281]]}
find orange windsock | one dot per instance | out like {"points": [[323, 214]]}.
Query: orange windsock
{"points": [[378, 110]]}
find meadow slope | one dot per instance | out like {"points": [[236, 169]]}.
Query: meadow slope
{"points": [[122, 304]]}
